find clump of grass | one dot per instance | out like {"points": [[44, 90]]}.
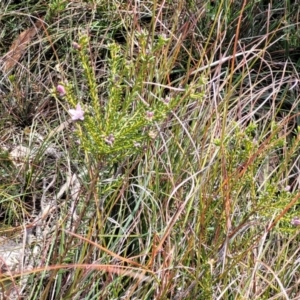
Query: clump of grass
{"points": [[181, 180]]}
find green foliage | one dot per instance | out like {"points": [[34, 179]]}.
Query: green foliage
{"points": [[182, 180], [123, 121], [56, 7]]}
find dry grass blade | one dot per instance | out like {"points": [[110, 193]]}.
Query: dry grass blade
{"points": [[182, 179]]}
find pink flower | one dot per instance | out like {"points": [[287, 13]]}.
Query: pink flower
{"points": [[61, 90], [149, 115], [76, 46], [77, 114], [110, 140], [167, 100], [295, 221]]}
